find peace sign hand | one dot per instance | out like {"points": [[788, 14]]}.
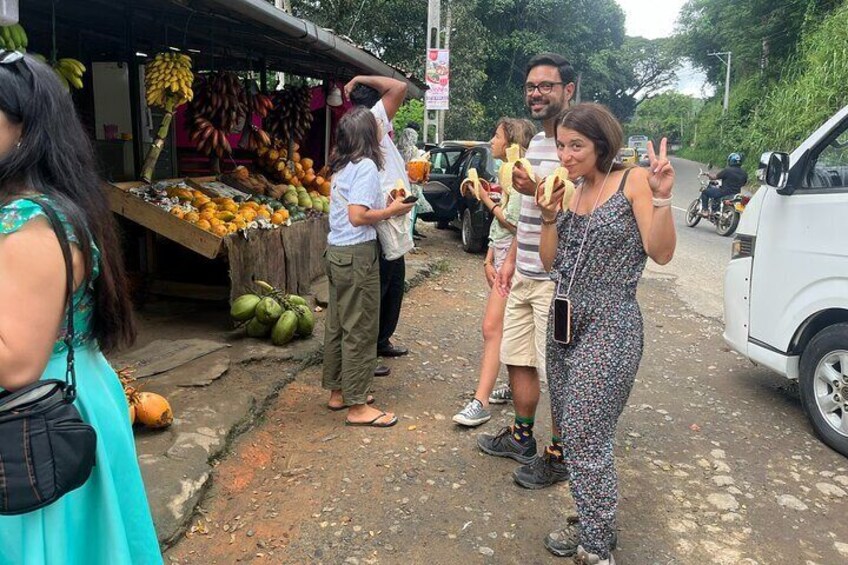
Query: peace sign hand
{"points": [[661, 175]]}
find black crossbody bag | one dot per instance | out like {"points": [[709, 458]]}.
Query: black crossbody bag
{"points": [[46, 449]]}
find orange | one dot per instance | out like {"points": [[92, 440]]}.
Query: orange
{"points": [[204, 225], [220, 230], [177, 212], [192, 217], [277, 218], [264, 213]]}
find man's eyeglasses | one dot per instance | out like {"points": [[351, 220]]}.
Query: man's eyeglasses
{"points": [[542, 87]]}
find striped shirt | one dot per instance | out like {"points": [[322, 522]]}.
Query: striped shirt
{"points": [[542, 155]]}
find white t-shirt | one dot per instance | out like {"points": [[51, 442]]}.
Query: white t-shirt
{"points": [[394, 167], [542, 155], [358, 184]]}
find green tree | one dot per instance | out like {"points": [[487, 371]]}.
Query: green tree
{"points": [[670, 114], [411, 112]]}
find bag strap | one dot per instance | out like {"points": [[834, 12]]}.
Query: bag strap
{"points": [[62, 235]]}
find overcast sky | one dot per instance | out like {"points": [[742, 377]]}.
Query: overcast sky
{"points": [[657, 18]]}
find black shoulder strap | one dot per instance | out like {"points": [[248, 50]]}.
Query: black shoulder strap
{"points": [[623, 180], [62, 235]]}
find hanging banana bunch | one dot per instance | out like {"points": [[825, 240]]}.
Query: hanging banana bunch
{"points": [[220, 106], [13, 38], [167, 80], [254, 138], [291, 116], [70, 72]]}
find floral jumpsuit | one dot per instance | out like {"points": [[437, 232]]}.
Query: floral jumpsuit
{"points": [[590, 379]]}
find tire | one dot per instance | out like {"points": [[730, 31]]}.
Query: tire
{"points": [[442, 224], [727, 222], [693, 213], [824, 385], [471, 241]]}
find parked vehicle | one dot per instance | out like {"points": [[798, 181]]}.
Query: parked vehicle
{"points": [[638, 142], [626, 156], [449, 167], [725, 215], [786, 287]]}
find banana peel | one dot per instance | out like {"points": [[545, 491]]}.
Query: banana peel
{"points": [[473, 184], [513, 159], [560, 175]]}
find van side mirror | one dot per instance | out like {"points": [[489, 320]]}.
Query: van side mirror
{"points": [[777, 171]]}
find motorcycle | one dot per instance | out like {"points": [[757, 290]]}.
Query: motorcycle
{"points": [[725, 216]]}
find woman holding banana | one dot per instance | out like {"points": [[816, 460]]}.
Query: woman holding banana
{"points": [[596, 238]]}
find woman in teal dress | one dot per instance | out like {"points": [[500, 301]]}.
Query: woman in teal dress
{"points": [[45, 154]]}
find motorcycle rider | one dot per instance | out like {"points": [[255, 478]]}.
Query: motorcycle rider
{"points": [[733, 178]]}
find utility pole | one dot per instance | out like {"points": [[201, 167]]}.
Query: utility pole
{"points": [[727, 77], [434, 28]]}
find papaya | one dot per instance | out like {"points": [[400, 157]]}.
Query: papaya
{"points": [[305, 320], [268, 310], [244, 307], [285, 328], [255, 328]]}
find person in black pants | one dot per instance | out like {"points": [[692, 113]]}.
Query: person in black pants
{"points": [[383, 96]]}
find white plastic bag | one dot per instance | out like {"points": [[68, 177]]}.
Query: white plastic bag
{"points": [[8, 12], [395, 237]]}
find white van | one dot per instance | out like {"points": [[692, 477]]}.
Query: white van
{"points": [[786, 287]]}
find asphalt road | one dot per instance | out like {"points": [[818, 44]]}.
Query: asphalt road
{"points": [[701, 256]]}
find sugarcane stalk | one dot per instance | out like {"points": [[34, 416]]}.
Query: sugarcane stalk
{"points": [[159, 143]]}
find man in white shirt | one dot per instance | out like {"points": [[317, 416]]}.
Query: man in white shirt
{"points": [[384, 96], [548, 88]]}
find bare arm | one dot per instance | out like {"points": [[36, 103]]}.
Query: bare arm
{"points": [[32, 301], [364, 216], [393, 91], [656, 225], [497, 211], [550, 237]]}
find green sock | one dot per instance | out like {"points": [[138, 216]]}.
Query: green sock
{"points": [[556, 447], [522, 431]]}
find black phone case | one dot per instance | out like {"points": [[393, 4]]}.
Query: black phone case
{"points": [[562, 320]]}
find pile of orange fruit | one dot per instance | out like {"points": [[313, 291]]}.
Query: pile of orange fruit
{"points": [[298, 173], [221, 216]]}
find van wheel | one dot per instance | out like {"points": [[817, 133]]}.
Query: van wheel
{"points": [[824, 385], [693, 213], [471, 242]]}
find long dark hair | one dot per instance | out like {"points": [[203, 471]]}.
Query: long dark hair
{"points": [[357, 138], [598, 124], [55, 158]]}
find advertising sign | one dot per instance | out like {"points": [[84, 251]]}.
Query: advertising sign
{"points": [[438, 79]]}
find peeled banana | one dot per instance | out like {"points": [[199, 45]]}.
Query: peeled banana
{"points": [[473, 183], [560, 175], [13, 38], [513, 159], [168, 79]]}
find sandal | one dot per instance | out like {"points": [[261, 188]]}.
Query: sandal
{"points": [[373, 423], [370, 400]]}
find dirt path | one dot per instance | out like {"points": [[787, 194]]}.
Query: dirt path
{"points": [[714, 467]]}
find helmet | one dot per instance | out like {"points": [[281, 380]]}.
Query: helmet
{"points": [[734, 159]]}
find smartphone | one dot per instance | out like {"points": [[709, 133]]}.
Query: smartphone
{"points": [[410, 199], [562, 320]]}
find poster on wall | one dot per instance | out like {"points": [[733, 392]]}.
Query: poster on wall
{"points": [[438, 79]]}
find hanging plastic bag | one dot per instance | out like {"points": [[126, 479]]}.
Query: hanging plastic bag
{"points": [[8, 12]]}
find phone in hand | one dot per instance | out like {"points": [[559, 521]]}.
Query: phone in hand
{"points": [[410, 200]]}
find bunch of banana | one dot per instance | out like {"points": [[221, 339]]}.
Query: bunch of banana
{"points": [[291, 116], [220, 105], [261, 104], [254, 138], [168, 80], [559, 176], [473, 183], [13, 38], [70, 73]]}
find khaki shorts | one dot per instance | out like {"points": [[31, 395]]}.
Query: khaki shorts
{"points": [[525, 331]]}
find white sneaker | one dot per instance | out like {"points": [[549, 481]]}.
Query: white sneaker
{"points": [[473, 414], [583, 557], [501, 395]]}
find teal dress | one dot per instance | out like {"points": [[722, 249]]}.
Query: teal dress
{"points": [[107, 520]]}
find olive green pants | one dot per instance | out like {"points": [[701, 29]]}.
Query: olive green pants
{"points": [[353, 318]]}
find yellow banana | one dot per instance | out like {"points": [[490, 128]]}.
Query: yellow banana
{"points": [[471, 183], [265, 286], [560, 175]]}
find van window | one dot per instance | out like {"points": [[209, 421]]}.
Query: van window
{"points": [[829, 168]]}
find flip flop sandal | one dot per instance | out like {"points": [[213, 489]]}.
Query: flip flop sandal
{"points": [[373, 423], [345, 407]]}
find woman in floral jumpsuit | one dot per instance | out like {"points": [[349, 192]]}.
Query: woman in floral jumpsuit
{"points": [[597, 250]]}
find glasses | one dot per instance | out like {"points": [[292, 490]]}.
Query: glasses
{"points": [[542, 87]]}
